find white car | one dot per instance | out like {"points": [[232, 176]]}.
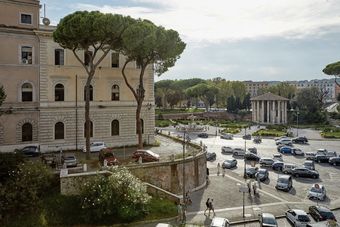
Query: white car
{"points": [[239, 151], [95, 147], [298, 218], [226, 150], [317, 191], [297, 151], [219, 222], [285, 141]]}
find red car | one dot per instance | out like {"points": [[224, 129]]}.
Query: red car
{"points": [[108, 155], [147, 156]]}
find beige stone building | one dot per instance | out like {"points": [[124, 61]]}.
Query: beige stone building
{"points": [[269, 109], [57, 81]]}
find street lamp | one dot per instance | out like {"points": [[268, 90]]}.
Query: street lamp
{"points": [[183, 172], [245, 149], [297, 120]]}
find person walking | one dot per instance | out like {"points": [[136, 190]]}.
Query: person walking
{"points": [[207, 176], [223, 172], [249, 188], [218, 169], [254, 188], [211, 207], [207, 204]]}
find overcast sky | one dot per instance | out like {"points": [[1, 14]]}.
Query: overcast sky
{"points": [[236, 39]]}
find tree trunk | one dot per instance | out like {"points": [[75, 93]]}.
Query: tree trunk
{"points": [[87, 115], [139, 125]]}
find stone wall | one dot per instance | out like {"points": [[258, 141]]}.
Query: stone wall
{"points": [[205, 115], [165, 175]]}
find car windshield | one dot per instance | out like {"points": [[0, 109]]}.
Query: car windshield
{"points": [[327, 215], [107, 155], [317, 190], [69, 158], [282, 180], [229, 160], [269, 220], [262, 171], [303, 218]]}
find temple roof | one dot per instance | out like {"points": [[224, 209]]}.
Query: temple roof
{"points": [[269, 97]]}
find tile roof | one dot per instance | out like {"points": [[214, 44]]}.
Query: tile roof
{"points": [[269, 96]]}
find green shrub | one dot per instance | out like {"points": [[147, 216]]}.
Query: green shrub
{"points": [[277, 127], [8, 163], [120, 194], [163, 123], [266, 132], [23, 190]]}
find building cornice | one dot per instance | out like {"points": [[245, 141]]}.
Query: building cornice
{"points": [[18, 2]]}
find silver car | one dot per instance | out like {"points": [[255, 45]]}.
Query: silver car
{"points": [[317, 191], [69, 160], [298, 218]]}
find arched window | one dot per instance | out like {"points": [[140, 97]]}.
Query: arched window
{"points": [[115, 128], [26, 132], [27, 92], [142, 125], [91, 93], [115, 93], [59, 131], [59, 92], [91, 129]]}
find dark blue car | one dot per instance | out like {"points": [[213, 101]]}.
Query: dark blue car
{"points": [[286, 150]]}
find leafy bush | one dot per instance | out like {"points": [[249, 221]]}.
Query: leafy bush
{"points": [[277, 127], [9, 163], [266, 132], [23, 190], [231, 130], [120, 194], [163, 123]]}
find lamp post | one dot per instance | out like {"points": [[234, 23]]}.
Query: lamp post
{"points": [[245, 149], [297, 119], [183, 176]]}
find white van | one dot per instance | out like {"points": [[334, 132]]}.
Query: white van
{"points": [[285, 141], [288, 167]]}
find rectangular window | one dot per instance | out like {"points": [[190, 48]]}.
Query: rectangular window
{"points": [[115, 60], [26, 55], [59, 57], [25, 18]]}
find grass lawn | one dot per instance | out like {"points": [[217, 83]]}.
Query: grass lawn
{"points": [[231, 130], [269, 132], [60, 210], [172, 111], [335, 135]]}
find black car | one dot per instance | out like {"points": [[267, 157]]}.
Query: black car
{"points": [[29, 151], [211, 156], [247, 137], [251, 157], [251, 171], [320, 213], [301, 139], [321, 158], [334, 161], [278, 165], [203, 135], [304, 172]]}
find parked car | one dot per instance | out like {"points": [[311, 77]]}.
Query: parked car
{"points": [[251, 157], [280, 138], [251, 171], [226, 136], [219, 222], [262, 174], [304, 172], [298, 218], [203, 135], [286, 150], [29, 151], [320, 213], [69, 160], [108, 155], [279, 147], [95, 147], [334, 161], [164, 225], [278, 165], [252, 150], [266, 161], [229, 163], [297, 151], [239, 152], [277, 157], [310, 155], [226, 150], [317, 191], [146, 155], [309, 164], [324, 157], [267, 220], [301, 140], [288, 168], [285, 141], [284, 182], [247, 137], [211, 156]]}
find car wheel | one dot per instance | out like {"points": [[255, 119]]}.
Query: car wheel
{"points": [[236, 154], [319, 161], [296, 175], [334, 164], [314, 176]]}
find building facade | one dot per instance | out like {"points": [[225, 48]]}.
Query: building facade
{"points": [[56, 109], [252, 87], [269, 109]]}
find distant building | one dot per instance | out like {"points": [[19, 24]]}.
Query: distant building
{"points": [[269, 109], [252, 87]]}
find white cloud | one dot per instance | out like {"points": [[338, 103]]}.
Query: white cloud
{"points": [[218, 20]]}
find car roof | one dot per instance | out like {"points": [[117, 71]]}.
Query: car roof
{"points": [[268, 215], [321, 208], [299, 212], [217, 221], [284, 176], [320, 185], [230, 159]]}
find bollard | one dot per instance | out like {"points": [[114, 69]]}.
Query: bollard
{"points": [[85, 167]]}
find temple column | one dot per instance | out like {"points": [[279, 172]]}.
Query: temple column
{"points": [[268, 112], [257, 111], [273, 112], [279, 111], [262, 111]]}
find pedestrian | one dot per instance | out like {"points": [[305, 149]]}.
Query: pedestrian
{"points": [[254, 188], [211, 207], [249, 189], [218, 169], [179, 212], [207, 204], [207, 175], [223, 172]]}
